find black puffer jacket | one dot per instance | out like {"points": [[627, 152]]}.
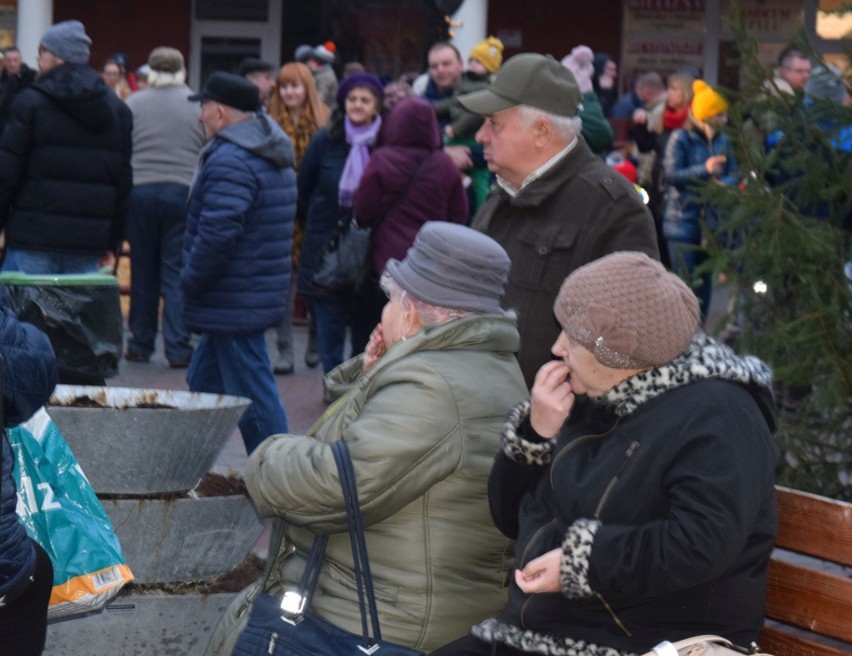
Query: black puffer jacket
{"points": [[660, 496], [65, 174]]}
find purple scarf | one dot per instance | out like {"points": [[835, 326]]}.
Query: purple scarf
{"points": [[360, 137]]}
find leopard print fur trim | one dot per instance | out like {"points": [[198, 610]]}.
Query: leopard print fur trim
{"points": [[576, 552], [516, 447], [704, 358], [493, 631]]}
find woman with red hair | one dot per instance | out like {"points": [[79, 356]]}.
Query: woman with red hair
{"points": [[296, 106]]}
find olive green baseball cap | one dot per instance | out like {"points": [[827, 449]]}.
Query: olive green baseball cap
{"points": [[528, 79]]}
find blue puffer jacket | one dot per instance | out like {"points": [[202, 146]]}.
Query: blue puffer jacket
{"points": [[239, 232], [29, 376], [684, 165]]}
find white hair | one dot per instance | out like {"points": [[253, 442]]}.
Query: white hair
{"points": [[429, 314], [567, 127], [164, 79]]}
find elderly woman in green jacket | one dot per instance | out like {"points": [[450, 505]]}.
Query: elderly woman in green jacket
{"points": [[421, 417]]}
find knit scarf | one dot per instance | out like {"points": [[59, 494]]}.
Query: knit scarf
{"points": [[674, 118], [360, 137], [300, 133]]}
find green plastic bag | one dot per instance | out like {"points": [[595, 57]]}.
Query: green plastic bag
{"points": [[61, 512]]}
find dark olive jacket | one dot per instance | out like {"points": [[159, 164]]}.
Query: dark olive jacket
{"points": [[577, 212]]}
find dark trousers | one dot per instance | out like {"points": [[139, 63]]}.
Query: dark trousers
{"points": [[23, 620], [155, 227], [470, 646]]}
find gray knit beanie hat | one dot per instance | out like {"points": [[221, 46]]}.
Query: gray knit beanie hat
{"points": [[628, 311], [68, 41], [453, 266]]}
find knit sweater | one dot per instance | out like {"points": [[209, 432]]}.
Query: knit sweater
{"points": [[166, 136]]}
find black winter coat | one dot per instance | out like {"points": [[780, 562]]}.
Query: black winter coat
{"points": [[661, 497], [65, 173]]}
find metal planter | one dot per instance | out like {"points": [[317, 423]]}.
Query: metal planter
{"points": [[183, 539], [133, 445], [141, 625]]}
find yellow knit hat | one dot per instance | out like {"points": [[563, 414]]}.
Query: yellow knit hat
{"points": [[489, 53], [706, 101]]}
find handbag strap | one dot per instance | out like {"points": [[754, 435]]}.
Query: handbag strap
{"points": [[360, 558], [410, 183], [343, 223]]}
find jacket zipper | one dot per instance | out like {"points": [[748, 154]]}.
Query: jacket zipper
{"points": [[627, 455], [571, 445], [273, 638]]}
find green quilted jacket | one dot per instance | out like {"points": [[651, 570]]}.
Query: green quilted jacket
{"points": [[422, 429]]}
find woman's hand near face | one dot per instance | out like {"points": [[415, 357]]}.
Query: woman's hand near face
{"points": [[375, 349], [541, 574], [551, 399]]}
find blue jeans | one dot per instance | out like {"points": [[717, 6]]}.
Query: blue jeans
{"points": [[33, 262], [239, 365], [155, 227], [685, 258]]}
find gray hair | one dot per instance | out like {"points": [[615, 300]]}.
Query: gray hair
{"points": [[430, 315], [236, 115], [567, 127]]}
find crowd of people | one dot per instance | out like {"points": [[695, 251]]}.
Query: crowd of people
{"points": [[512, 270]]}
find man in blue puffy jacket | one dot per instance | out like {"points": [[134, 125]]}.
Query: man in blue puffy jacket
{"points": [[236, 251], [26, 573]]}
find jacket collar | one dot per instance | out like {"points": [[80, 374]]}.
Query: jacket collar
{"points": [[703, 359]]}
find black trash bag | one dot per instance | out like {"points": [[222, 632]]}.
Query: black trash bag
{"points": [[83, 323]]}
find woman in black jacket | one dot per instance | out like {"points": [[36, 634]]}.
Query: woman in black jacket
{"points": [[638, 482]]}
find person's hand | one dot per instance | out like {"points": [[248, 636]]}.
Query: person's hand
{"points": [[715, 164], [375, 349], [551, 399], [640, 116], [541, 574], [460, 156], [108, 259]]}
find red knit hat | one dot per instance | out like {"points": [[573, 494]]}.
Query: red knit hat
{"points": [[628, 311]]}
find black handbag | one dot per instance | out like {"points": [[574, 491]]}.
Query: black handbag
{"points": [[287, 627], [345, 262]]}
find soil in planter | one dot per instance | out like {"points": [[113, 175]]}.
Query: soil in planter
{"points": [[89, 402], [238, 578], [212, 485]]}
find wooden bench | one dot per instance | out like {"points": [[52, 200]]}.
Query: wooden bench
{"points": [[809, 600]]}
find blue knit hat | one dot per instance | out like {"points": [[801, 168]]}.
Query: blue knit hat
{"points": [[68, 41]]}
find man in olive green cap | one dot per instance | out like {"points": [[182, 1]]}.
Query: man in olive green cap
{"points": [[558, 205]]}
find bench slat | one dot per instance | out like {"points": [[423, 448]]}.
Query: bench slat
{"points": [[814, 600], [814, 525], [782, 643]]}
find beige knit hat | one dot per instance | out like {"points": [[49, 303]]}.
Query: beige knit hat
{"points": [[628, 311], [166, 60]]}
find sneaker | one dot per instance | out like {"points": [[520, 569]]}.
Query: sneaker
{"points": [[284, 364], [180, 364], [312, 358]]}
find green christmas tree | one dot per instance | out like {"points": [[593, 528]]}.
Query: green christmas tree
{"points": [[784, 246]]}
